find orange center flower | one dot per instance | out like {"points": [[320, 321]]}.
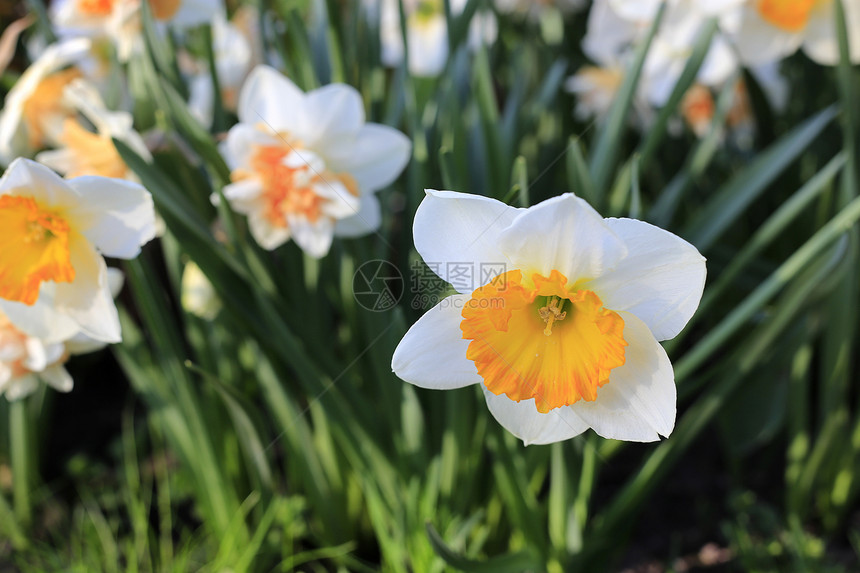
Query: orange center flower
{"points": [[789, 15], [34, 247], [96, 155], [542, 339], [96, 7], [290, 190], [46, 101]]}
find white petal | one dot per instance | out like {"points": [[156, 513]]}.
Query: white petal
{"points": [[60, 160], [565, 234], [660, 281], [57, 378], [313, 238], [638, 404], [82, 344], [87, 299], [330, 113], [524, 421], [374, 158], [267, 235], [117, 216], [37, 355], [242, 142], [340, 204], [22, 387], [367, 220], [635, 10], [428, 46], [14, 140], [269, 97], [760, 42], [607, 34], [26, 177], [244, 196], [821, 44], [432, 354], [42, 320], [116, 280], [458, 230]]}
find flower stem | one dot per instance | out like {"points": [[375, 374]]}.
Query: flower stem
{"points": [[20, 453]]}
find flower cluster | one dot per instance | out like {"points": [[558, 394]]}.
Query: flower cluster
{"points": [[757, 34], [56, 292]]}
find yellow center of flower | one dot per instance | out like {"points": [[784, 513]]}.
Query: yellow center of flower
{"points": [[290, 190], [34, 247], [95, 154], [698, 108], [542, 339], [789, 15], [46, 101], [95, 7], [161, 9]]}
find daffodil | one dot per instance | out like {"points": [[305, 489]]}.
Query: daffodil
{"points": [[84, 152], [55, 233], [25, 360], [119, 20], [236, 51], [427, 33], [305, 166], [770, 30], [615, 27], [564, 333], [34, 110]]}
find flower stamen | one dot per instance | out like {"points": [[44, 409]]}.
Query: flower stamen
{"points": [[552, 312]]}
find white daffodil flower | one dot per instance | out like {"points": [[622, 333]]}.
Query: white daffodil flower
{"points": [[615, 27], [427, 33], [55, 233], [25, 360], [34, 110], [83, 152], [769, 30], [306, 165], [119, 20], [564, 334], [235, 56]]}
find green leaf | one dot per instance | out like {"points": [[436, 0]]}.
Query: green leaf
{"points": [[512, 562], [608, 144], [735, 196], [658, 131]]}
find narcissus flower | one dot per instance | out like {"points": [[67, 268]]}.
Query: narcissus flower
{"points": [[25, 360], [305, 166], [770, 30], [55, 232], [33, 113], [427, 33], [119, 20], [84, 152], [563, 333]]}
